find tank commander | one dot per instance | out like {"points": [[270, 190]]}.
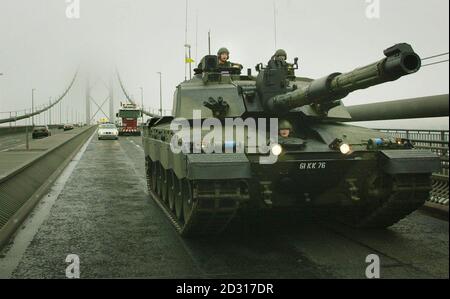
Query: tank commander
{"points": [[223, 56], [280, 55], [280, 59]]}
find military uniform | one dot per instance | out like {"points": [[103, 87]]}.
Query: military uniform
{"points": [[279, 59], [226, 64]]}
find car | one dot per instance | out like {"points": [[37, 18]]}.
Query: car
{"points": [[107, 131], [41, 132], [68, 127]]}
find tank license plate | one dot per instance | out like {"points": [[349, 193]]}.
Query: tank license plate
{"points": [[314, 165]]}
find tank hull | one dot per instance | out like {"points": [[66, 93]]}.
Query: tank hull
{"points": [[202, 193]]}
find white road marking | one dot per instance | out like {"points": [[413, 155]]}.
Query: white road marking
{"points": [[137, 145], [41, 212]]}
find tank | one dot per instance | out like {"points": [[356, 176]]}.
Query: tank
{"points": [[237, 145]]}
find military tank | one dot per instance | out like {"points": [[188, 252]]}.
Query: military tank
{"points": [[362, 176]]}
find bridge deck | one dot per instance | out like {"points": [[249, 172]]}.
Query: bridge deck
{"points": [[99, 209]]}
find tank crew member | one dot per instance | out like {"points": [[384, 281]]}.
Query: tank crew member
{"points": [[285, 128], [280, 59], [280, 55], [223, 56]]}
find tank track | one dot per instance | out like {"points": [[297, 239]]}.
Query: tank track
{"points": [[214, 205], [409, 193]]}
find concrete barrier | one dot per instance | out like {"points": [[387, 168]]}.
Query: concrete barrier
{"points": [[25, 176]]}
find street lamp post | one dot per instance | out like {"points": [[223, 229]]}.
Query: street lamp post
{"points": [[1, 74], [160, 93], [32, 107], [60, 113], [50, 111]]}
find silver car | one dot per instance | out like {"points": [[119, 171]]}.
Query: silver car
{"points": [[107, 131]]}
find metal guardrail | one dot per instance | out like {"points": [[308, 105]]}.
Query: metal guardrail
{"points": [[438, 142]]}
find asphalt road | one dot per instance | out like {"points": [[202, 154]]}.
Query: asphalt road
{"points": [[11, 141], [102, 213]]}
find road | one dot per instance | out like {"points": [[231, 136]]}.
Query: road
{"points": [[100, 211], [10, 141]]}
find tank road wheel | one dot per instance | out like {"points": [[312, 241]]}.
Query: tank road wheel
{"points": [[158, 180], [406, 194], [149, 172], [177, 201], [164, 185], [188, 199], [154, 175], [172, 182]]}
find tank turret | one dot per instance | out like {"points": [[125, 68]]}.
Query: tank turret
{"points": [[279, 96]]}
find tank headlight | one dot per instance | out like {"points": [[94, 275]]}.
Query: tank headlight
{"points": [[345, 148], [276, 149]]}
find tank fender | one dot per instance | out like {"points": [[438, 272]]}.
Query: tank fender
{"points": [[410, 161]]}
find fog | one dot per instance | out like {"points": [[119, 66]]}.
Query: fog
{"points": [[40, 47]]}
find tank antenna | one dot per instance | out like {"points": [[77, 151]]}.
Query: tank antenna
{"points": [[275, 23], [185, 41], [209, 42]]}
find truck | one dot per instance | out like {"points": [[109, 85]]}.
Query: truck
{"points": [[129, 114]]}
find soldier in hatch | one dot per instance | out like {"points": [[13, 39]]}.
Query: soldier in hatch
{"points": [[285, 129], [280, 55], [279, 59], [223, 56]]}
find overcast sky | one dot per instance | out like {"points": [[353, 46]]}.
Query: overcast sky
{"points": [[40, 47]]}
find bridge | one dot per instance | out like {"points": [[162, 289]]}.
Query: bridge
{"points": [[72, 194]]}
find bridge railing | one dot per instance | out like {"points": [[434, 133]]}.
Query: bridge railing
{"points": [[36, 110]]}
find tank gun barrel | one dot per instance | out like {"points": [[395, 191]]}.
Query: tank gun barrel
{"points": [[400, 60]]}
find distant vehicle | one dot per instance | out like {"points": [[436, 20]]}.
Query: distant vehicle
{"points": [[68, 127], [108, 131], [129, 114], [60, 127], [41, 132]]}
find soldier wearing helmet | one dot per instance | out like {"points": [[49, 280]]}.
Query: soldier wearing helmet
{"points": [[279, 59], [280, 55], [223, 56], [285, 128]]}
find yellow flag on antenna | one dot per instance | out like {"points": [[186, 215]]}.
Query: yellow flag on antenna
{"points": [[189, 60]]}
